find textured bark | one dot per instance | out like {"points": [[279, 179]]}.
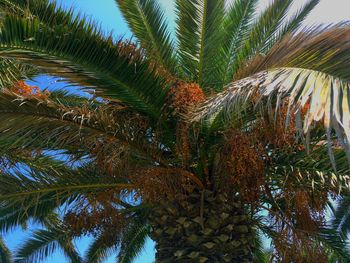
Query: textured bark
{"points": [[202, 228]]}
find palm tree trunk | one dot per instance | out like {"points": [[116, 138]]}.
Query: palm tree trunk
{"points": [[204, 227]]}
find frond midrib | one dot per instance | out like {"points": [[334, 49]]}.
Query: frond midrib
{"points": [[153, 40], [230, 61], [64, 188], [154, 112], [58, 117], [202, 42]]}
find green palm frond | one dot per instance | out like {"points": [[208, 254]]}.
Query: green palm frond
{"points": [[5, 254], [294, 22], [260, 254], [315, 162], [199, 34], [312, 172], [13, 6], [262, 31], [29, 121], [102, 247], [35, 192], [237, 24], [126, 242], [43, 243], [47, 12], [320, 49], [18, 204], [147, 22], [84, 57], [334, 244], [11, 71], [341, 220], [98, 251], [133, 241], [23, 187]]}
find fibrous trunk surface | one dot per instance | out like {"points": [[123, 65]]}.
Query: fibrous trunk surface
{"points": [[204, 227]]}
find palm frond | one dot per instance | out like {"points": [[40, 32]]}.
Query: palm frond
{"points": [[321, 49], [44, 243], [133, 241], [9, 5], [126, 241], [147, 22], [85, 57], [292, 72], [35, 192], [260, 254], [294, 22], [199, 35], [28, 121], [5, 254], [262, 31], [341, 220], [310, 172], [237, 23], [101, 248], [334, 244], [11, 71], [47, 12]]}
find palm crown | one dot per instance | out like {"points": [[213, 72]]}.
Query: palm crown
{"points": [[238, 126]]}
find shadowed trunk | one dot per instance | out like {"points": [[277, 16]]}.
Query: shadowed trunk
{"points": [[202, 228]]}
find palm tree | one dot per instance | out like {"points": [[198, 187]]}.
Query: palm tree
{"points": [[235, 130]]}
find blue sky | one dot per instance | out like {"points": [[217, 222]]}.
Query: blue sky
{"points": [[108, 16]]}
